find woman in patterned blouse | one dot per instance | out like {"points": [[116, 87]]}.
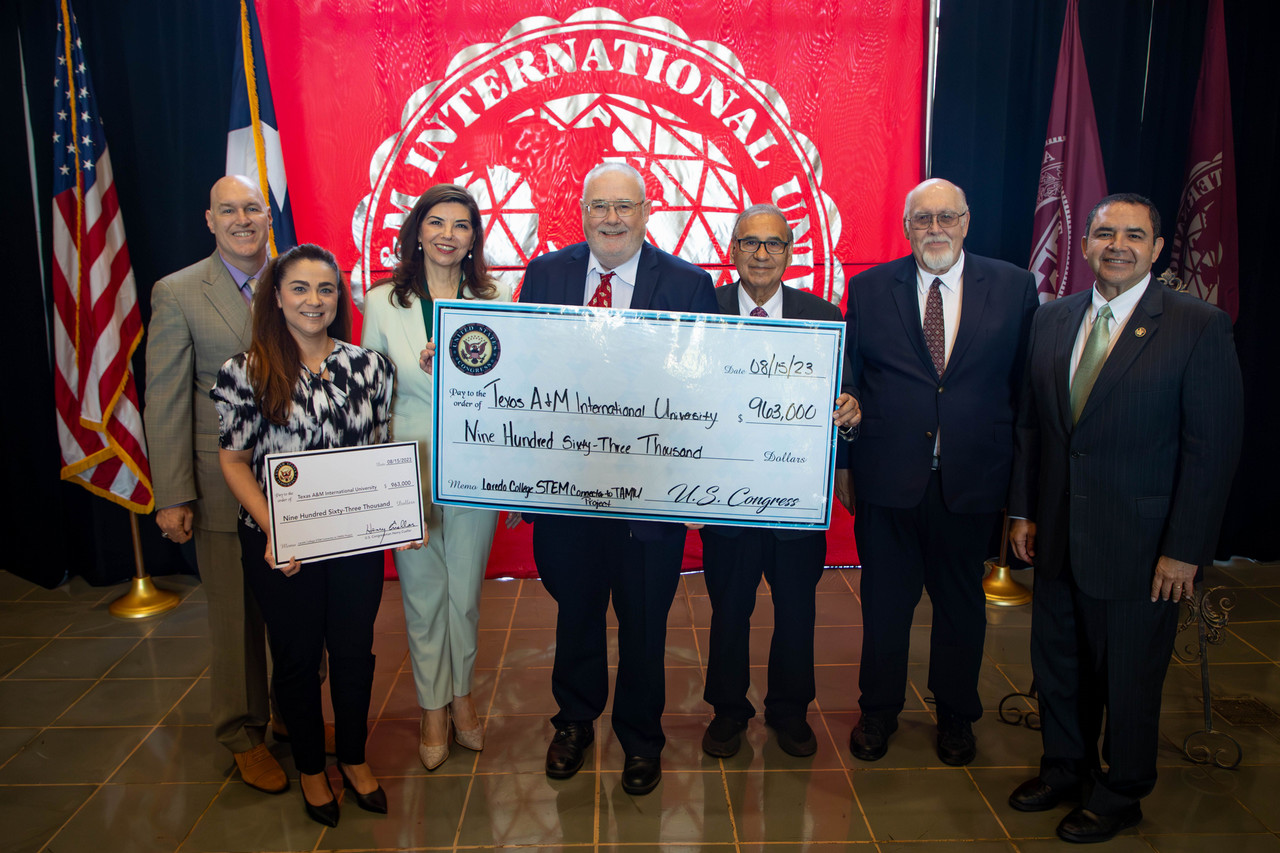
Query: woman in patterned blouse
{"points": [[302, 387]]}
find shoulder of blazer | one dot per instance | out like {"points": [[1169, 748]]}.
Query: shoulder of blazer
{"points": [[651, 256], [897, 270], [803, 305], [995, 272], [727, 298]]}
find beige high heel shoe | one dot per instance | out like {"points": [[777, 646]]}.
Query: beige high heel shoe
{"points": [[432, 755], [472, 739]]}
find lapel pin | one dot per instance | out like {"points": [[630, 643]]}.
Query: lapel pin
{"points": [[1141, 331]]}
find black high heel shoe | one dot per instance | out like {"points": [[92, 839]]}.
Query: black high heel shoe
{"points": [[325, 813], [375, 801]]}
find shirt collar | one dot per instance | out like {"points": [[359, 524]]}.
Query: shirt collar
{"points": [[1122, 306], [950, 278], [626, 270], [772, 305], [241, 277]]}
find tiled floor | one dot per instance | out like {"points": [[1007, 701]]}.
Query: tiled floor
{"points": [[105, 744]]}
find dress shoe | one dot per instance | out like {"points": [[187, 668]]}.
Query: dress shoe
{"points": [[432, 755], [869, 740], [1082, 826], [375, 801], [794, 736], [259, 769], [1037, 795], [281, 734], [641, 775], [723, 737], [325, 813], [568, 748], [473, 738], [956, 744]]}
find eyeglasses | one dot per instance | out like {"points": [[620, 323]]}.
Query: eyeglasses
{"points": [[625, 208], [946, 219], [750, 245]]}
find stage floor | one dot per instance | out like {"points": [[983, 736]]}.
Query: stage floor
{"points": [[105, 743]]}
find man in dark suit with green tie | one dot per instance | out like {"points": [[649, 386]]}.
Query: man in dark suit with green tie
{"points": [[1126, 442]]}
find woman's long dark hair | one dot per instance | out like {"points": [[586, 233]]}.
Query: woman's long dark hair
{"points": [[274, 355], [409, 278]]}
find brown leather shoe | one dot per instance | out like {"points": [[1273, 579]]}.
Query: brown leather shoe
{"points": [[259, 769]]}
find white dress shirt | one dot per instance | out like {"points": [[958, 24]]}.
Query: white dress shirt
{"points": [[623, 284], [1121, 309], [772, 305]]}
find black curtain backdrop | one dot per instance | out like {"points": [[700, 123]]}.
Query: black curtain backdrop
{"points": [[162, 76]]}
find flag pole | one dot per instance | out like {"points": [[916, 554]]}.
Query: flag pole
{"points": [[143, 598], [999, 586]]}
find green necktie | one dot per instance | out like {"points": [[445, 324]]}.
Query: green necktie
{"points": [[1095, 353]]}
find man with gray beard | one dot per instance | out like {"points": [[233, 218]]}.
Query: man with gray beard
{"points": [[936, 343]]}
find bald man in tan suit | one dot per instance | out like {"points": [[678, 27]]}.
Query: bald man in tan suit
{"points": [[200, 318]]}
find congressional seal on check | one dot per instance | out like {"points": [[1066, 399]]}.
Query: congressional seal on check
{"points": [[342, 501], [635, 414]]}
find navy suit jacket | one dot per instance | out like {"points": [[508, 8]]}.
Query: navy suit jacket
{"points": [[663, 283], [905, 402], [796, 305], [1146, 470]]}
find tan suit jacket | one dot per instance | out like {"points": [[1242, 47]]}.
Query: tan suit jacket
{"points": [[199, 319]]}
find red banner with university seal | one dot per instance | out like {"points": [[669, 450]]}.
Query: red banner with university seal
{"points": [[816, 107]]}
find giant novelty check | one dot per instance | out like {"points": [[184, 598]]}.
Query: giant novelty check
{"points": [[343, 501], [635, 414]]}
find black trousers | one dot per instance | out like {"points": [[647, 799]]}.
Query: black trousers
{"points": [[328, 604], [584, 562], [902, 551], [732, 567], [1092, 655]]}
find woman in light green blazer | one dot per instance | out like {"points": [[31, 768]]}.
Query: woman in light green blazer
{"points": [[441, 257]]}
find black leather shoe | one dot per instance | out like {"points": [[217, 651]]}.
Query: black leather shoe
{"points": [[641, 775], [1036, 795], [794, 736], [325, 813], [568, 748], [869, 740], [375, 801], [723, 737], [1082, 826], [956, 744]]}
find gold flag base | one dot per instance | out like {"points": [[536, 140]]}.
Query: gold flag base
{"points": [[1001, 589], [144, 600]]}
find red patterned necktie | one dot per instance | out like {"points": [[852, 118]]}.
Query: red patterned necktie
{"points": [[759, 312], [934, 333], [603, 297]]}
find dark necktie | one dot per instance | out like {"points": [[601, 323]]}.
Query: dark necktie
{"points": [[935, 336], [1091, 361], [759, 312], [603, 297]]}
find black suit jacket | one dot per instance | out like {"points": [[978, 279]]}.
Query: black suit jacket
{"points": [[663, 283], [904, 401], [1146, 470], [796, 305]]}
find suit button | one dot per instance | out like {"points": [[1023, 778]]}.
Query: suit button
{"points": [[940, 389], [1076, 454], [928, 435]]}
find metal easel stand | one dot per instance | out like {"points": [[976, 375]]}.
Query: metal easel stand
{"points": [[1209, 610]]}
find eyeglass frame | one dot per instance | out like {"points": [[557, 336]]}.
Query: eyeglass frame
{"points": [[741, 248], [933, 217], [608, 206]]}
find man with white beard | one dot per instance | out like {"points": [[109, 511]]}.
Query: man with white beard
{"points": [[936, 344]]}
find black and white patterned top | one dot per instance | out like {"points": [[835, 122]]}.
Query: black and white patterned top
{"points": [[350, 408]]}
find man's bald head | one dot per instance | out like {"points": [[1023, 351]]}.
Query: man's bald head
{"points": [[240, 221]]}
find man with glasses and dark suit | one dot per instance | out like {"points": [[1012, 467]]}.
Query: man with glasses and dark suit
{"points": [[734, 558], [586, 562], [936, 344]]}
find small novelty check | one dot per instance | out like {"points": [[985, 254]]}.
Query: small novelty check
{"points": [[635, 414], [350, 500]]}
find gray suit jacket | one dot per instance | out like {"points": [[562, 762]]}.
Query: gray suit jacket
{"points": [[198, 321]]}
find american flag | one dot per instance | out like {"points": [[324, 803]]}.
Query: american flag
{"points": [[96, 321]]}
